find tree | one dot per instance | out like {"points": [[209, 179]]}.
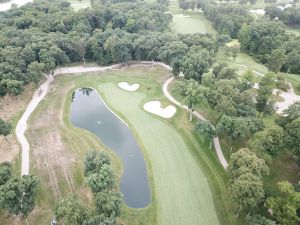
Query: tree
{"points": [[5, 172], [258, 220], [13, 87], [171, 51], [247, 80], [71, 211], [293, 62], [285, 204], [94, 160], [109, 204], [18, 195], [292, 136], [227, 73], [237, 129], [245, 161], [195, 63], [289, 115], [192, 92], [206, 129], [5, 128], [276, 60], [102, 180], [247, 191], [273, 11], [267, 143], [35, 70], [264, 92], [48, 61]]}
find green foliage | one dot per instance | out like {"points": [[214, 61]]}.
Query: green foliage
{"points": [[267, 143], [5, 172], [5, 128], [196, 62], [206, 129], [102, 180], [263, 102], [13, 87], [289, 115], [94, 161], [281, 83], [285, 204], [99, 172], [247, 80], [258, 220], [71, 211], [227, 19], [18, 195], [247, 190], [276, 60], [245, 172], [292, 136], [109, 204], [238, 129], [245, 161]]}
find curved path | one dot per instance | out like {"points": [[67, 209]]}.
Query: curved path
{"points": [[199, 116], [41, 92], [38, 95]]}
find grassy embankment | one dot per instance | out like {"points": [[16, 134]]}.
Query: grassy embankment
{"points": [[177, 159]]}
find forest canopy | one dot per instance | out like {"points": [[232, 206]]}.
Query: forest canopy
{"points": [[38, 37]]}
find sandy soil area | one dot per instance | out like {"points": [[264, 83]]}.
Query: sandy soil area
{"points": [[155, 108], [128, 87]]}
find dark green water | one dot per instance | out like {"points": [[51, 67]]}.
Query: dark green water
{"points": [[89, 112]]}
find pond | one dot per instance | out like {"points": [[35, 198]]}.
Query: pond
{"points": [[88, 111], [6, 4]]}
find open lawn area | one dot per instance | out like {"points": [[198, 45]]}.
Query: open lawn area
{"points": [[188, 184], [188, 22], [80, 4]]}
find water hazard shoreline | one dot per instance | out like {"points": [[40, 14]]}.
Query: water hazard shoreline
{"points": [[89, 111]]}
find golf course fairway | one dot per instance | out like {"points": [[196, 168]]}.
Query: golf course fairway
{"points": [[180, 190]]}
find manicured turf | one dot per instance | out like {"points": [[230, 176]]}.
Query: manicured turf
{"points": [[194, 23], [180, 184]]}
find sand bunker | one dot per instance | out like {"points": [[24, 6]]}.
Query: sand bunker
{"points": [[155, 108], [258, 11], [128, 87], [182, 16]]}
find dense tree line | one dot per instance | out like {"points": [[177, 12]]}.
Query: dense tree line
{"points": [[40, 36], [100, 177], [269, 42], [289, 16], [17, 194], [227, 19]]}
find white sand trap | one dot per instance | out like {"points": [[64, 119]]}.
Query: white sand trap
{"points": [[128, 87], [155, 108], [182, 16], [260, 12]]}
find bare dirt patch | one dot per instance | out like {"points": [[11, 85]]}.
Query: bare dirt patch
{"points": [[11, 108]]}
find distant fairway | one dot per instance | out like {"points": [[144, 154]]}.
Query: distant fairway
{"points": [[194, 23]]}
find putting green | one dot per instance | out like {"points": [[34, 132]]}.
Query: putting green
{"points": [[182, 191]]}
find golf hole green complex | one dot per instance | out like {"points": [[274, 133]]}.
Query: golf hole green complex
{"points": [[182, 193], [179, 189]]}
